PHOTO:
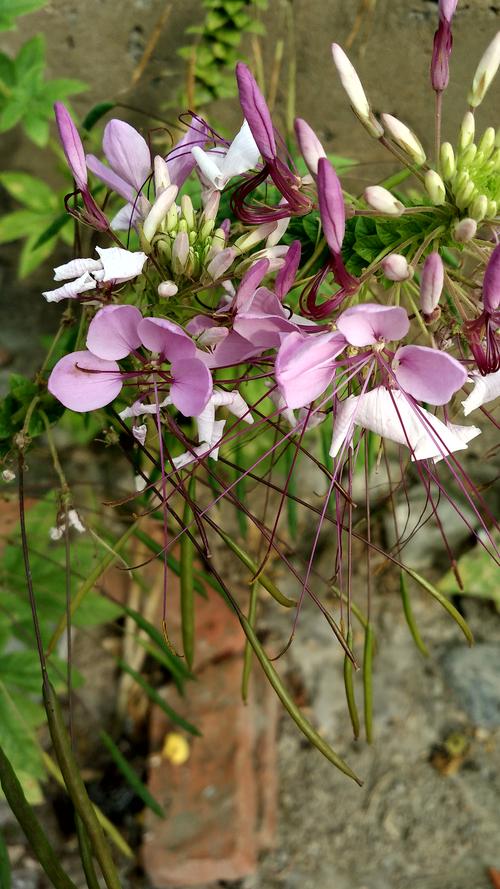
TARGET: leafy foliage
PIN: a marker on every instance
(11, 9)
(25, 96)
(40, 221)
(216, 48)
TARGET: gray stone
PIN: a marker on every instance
(474, 677)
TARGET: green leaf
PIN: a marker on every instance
(157, 699)
(31, 56)
(30, 258)
(18, 224)
(34, 193)
(37, 129)
(479, 574)
(19, 744)
(11, 9)
(7, 69)
(11, 114)
(54, 90)
(176, 666)
(96, 113)
(22, 388)
(132, 777)
(52, 230)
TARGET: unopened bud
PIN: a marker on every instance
(254, 237)
(221, 262)
(158, 212)
(206, 229)
(447, 158)
(435, 187)
(218, 243)
(381, 199)
(467, 131)
(8, 475)
(431, 284)
(491, 282)
(478, 209)
(167, 288)
(396, 268)
(487, 142)
(311, 148)
(465, 195)
(405, 138)
(492, 209)
(465, 230)
(211, 206)
(180, 253)
(467, 155)
(280, 227)
(355, 92)
(485, 72)
(187, 210)
(161, 174)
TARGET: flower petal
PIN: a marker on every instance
(72, 145)
(370, 323)
(485, 389)
(192, 386)
(428, 374)
(127, 152)
(119, 264)
(111, 179)
(113, 333)
(71, 289)
(83, 382)
(305, 366)
(256, 112)
(166, 338)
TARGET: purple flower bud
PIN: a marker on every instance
(431, 283)
(396, 267)
(491, 282)
(440, 68)
(464, 230)
(256, 112)
(447, 9)
(72, 145)
(286, 275)
(309, 144)
(331, 205)
(180, 253)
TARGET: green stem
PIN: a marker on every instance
(410, 619)
(31, 826)
(349, 689)
(368, 682)
(187, 581)
(247, 657)
(86, 854)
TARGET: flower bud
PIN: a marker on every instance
(467, 156)
(355, 92)
(447, 158)
(479, 207)
(491, 282)
(171, 219)
(396, 268)
(187, 210)
(492, 209)
(381, 199)
(431, 284)
(221, 262)
(435, 187)
(8, 475)
(487, 142)
(464, 196)
(180, 253)
(167, 288)
(250, 239)
(405, 138)
(465, 230)
(211, 206)
(311, 148)
(447, 9)
(485, 72)
(158, 212)
(161, 174)
(467, 131)
(218, 243)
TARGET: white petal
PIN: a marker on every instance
(74, 521)
(485, 389)
(139, 433)
(70, 290)
(76, 268)
(279, 231)
(209, 163)
(158, 211)
(242, 154)
(119, 264)
(138, 408)
(393, 416)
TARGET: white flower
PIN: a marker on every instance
(392, 415)
(485, 389)
(209, 429)
(114, 264)
(218, 166)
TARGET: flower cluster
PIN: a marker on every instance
(380, 330)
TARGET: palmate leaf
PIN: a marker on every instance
(17, 739)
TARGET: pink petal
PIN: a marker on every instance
(305, 366)
(370, 323)
(113, 333)
(180, 161)
(286, 275)
(192, 386)
(72, 145)
(166, 338)
(256, 112)
(127, 153)
(428, 374)
(85, 391)
(249, 283)
(331, 205)
(111, 179)
(491, 282)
